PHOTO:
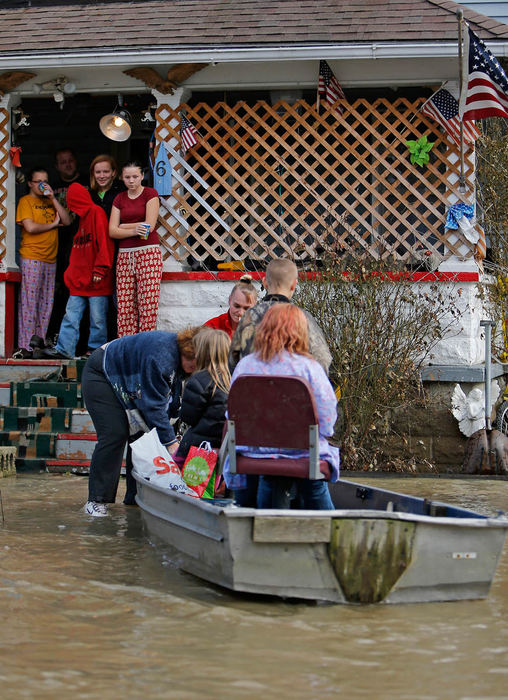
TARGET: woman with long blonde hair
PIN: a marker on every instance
(205, 395)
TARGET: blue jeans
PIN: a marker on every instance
(68, 335)
(279, 491)
(247, 498)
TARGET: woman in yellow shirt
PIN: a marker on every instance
(39, 214)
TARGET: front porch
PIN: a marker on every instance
(288, 179)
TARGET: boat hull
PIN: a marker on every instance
(350, 555)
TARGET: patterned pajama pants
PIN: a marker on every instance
(35, 299)
(138, 283)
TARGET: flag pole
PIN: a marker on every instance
(445, 82)
(462, 177)
(317, 95)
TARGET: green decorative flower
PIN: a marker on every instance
(419, 150)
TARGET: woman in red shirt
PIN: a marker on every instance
(139, 263)
(243, 297)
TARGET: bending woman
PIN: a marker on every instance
(139, 263)
(129, 386)
(281, 347)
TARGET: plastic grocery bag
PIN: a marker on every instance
(198, 469)
(152, 461)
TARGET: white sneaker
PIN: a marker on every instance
(96, 510)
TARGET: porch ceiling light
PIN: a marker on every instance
(116, 125)
(60, 84)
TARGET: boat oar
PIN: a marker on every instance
(497, 442)
(497, 454)
(489, 327)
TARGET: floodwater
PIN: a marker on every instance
(91, 609)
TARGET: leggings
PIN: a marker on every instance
(138, 284)
(35, 299)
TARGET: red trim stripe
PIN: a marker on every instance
(233, 275)
(77, 436)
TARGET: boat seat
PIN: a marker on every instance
(279, 412)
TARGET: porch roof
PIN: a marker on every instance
(65, 26)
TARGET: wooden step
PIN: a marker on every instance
(74, 466)
(29, 370)
(74, 446)
(71, 446)
(30, 445)
(24, 464)
(80, 467)
(34, 419)
(45, 445)
(5, 393)
(46, 420)
(81, 422)
(46, 394)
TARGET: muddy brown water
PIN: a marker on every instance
(92, 609)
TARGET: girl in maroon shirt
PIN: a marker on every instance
(139, 263)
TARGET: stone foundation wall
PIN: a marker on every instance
(430, 436)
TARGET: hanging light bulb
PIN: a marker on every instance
(117, 124)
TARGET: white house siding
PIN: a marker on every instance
(191, 303)
(491, 8)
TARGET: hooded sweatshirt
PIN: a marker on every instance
(92, 248)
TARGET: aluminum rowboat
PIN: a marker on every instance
(377, 546)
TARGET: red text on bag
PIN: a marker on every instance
(165, 467)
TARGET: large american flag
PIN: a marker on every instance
(187, 134)
(486, 92)
(444, 109)
(329, 87)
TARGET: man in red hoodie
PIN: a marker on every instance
(89, 276)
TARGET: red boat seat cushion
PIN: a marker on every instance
(298, 468)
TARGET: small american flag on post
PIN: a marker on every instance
(444, 109)
(329, 87)
(187, 134)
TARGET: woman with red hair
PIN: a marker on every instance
(281, 347)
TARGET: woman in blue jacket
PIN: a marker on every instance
(132, 385)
